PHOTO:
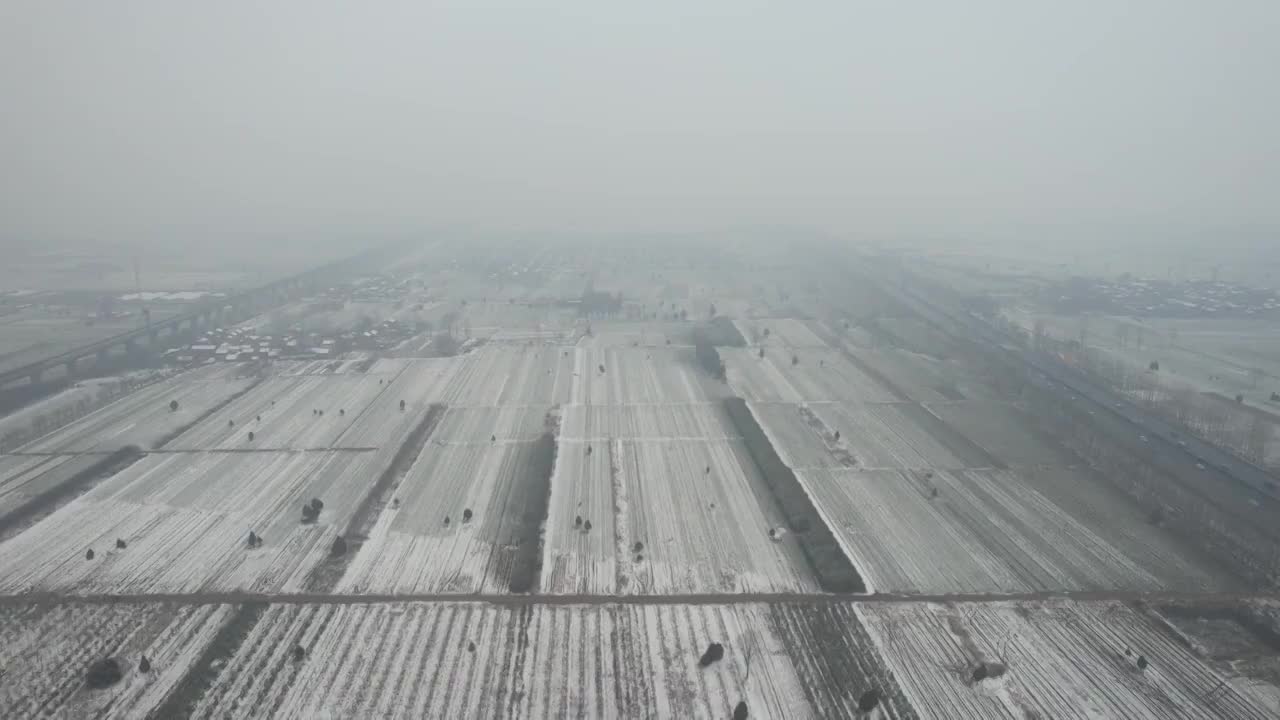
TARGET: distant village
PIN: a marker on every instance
(245, 344)
(1156, 298)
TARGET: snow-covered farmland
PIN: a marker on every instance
(631, 334)
(786, 331)
(636, 375)
(836, 661)
(989, 531)
(924, 378)
(585, 486)
(295, 412)
(416, 660)
(44, 650)
(478, 459)
(698, 509)
(501, 320)
(871, 435)
(480, 426)
(503, 375)
(24, 477)
(419, 383)
(1002, 431)
(1059, 660)
(143, 417)
(185, 518)
(817, 374)
(576, 560)
(695, 420)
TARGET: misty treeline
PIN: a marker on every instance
(1221, 421)
(595, 303)
(445, 342)
(1172, 494)
(60, 414)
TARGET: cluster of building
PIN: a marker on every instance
(240, 344)
(1153, 298)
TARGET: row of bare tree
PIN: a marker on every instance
(62, 414)
(1175, 498)
(1230, 426)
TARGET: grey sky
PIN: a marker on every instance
(163, 121)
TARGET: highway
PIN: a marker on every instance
(1196, 451)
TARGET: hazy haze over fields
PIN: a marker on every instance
(178, 122)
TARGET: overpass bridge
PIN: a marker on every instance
(213, 313)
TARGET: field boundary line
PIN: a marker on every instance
(321, 598)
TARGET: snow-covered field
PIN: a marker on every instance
(1001, 431)
(478, 459)
(654, 465)
(293, 412)
(818, 374)
(416, 660)
(653, 497)
(1061, 660)
(23, 477)
(698, 509)
(785, 331)
(576, 560)
(44, 651)
(871, 435)
(990, 531)
(504, 375)
(694, 420)
(419, 383)
(143, 417)
(635, 376)
(185, 518)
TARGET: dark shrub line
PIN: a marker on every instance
(527, 566)
(834, 571)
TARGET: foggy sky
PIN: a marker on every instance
(164, 121)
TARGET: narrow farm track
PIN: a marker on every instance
(90, 453)
(231, 598)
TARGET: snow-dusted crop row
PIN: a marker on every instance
(185, 519)
(471, 660)
(505, 375)
(851, 435)
(785, 331)
(796, 375)
(696, 420)
(635, 376)
(983, 531)
(1059, 660)
(292, 412)
(1002, 431)
(44, 651)
(418, 383)
(479, 460)
(144, 416)
(667, 516)
(24, 477)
